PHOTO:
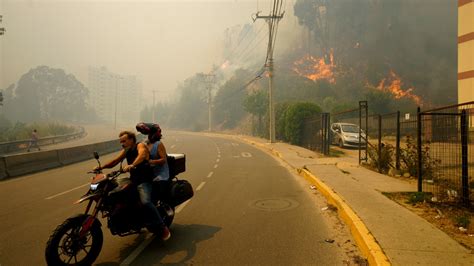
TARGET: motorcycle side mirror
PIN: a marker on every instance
(96, 155)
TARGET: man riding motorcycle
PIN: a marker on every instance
(141, 175)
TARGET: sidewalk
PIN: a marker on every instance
(406, 238)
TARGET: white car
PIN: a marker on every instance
(347, 135)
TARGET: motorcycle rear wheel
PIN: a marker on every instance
(65, 247)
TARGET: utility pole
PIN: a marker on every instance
(153, 109)
(209, 79)
(116, 92)
(270, 20)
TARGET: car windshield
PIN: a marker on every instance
(350, 128)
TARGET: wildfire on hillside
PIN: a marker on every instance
(393, 84)
(315, 68)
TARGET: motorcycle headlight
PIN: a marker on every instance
(94, 186)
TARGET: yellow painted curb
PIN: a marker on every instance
(364, 239)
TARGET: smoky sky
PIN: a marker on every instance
(161, 42)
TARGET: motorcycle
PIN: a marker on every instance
(78, 240)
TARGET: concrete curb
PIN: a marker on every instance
(364, 239)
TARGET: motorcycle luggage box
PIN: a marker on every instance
(176, 164)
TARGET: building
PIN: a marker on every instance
(465, 51)
(115, 98)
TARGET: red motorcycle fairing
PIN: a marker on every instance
(98, 178)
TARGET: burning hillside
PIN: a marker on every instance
(393, 85)
(315, 68)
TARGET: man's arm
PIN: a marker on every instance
(143, 154)
(114, 162)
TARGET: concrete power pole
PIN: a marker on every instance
(209, 79)
(153, 109)
(270, 20)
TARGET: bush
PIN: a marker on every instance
(409, 159)
(280, 118)
(383, 163)
(295, 116)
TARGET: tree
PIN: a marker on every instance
(257, 105)
(47, 94)
(228, 108)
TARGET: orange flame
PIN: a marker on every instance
(225, 64)
(315, 68)
(395, 88)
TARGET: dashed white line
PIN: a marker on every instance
(67, 191)
(218, 155)
(210, 174)
(218, 160)
(181, 207)
(215, 166)
(138, 250)
(172, 146)
(200, 186)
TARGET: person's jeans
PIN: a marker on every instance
(154, 218)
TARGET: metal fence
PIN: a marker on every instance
(316, 134)
(445, 153)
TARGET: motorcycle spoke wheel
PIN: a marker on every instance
(66, 247)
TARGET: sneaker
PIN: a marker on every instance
(165, 235)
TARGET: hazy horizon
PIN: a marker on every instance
(161, 42)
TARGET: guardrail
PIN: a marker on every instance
(27, 163)
(19, 145)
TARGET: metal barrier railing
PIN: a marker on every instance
(20, 145)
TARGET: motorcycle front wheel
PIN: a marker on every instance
(66, 247)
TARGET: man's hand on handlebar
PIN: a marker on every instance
(128, 168)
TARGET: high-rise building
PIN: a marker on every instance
(465, 51)
(115, 96)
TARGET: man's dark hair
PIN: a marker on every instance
(129, 135)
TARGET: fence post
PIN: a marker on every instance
(418, 147)
(397, 145)
(363, 104)
(464, 155)
(328, 134)
(379, 147)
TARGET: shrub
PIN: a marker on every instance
(383, 163)
(409, 159)
(294, 119)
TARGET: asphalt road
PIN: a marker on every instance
(247, 209)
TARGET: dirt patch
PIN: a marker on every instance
(456, 221)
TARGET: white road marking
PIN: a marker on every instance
(218, 160)
(246, 154)
(235, 144)
(181, 207)
(215, 165)
(67, 191)
(218, 155)
(200, 186)
(210, 174)
(138, 250)
(172, 146)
